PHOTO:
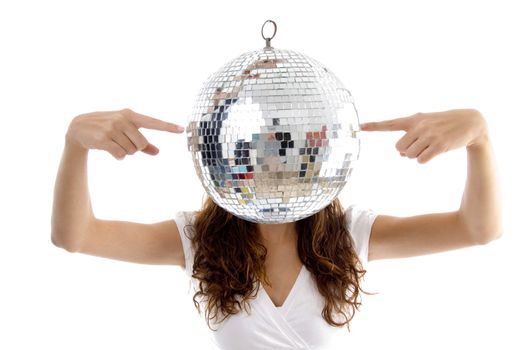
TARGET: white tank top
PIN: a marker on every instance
(298, 323)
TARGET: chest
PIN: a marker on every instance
(296, 324)
(283, 268)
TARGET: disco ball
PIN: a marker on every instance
(273, 135)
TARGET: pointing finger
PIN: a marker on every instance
(144, 121)
(387, 125)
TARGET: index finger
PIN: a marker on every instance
(144, 121)
(387, 125)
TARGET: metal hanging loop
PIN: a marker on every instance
(267, 40)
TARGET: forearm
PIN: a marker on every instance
(480, 208)
(72, 212)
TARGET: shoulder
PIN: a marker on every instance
(183, 219)
(360, 219)
(186, 216)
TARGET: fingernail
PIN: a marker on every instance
(179, 128)
(364, 125)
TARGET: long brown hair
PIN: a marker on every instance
(229, 261)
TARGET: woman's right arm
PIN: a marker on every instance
(73, 224)
(72, 213)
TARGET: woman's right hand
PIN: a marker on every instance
(116, 132)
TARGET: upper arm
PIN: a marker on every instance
(400, 237)
(157, 243)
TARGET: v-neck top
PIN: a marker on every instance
(298, 322)
(285, 303)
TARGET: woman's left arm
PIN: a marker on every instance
(480, 209)
(479, 219)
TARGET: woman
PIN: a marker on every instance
(280, 285)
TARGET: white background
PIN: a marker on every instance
(59, 59)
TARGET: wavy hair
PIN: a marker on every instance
(229, 261)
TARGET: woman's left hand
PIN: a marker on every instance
(429, 134)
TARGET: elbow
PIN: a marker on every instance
(485, 237)
(64, 244)
(482, 233)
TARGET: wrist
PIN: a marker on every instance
(73, 145)
(481, 127)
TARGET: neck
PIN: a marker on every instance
(278, 233)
